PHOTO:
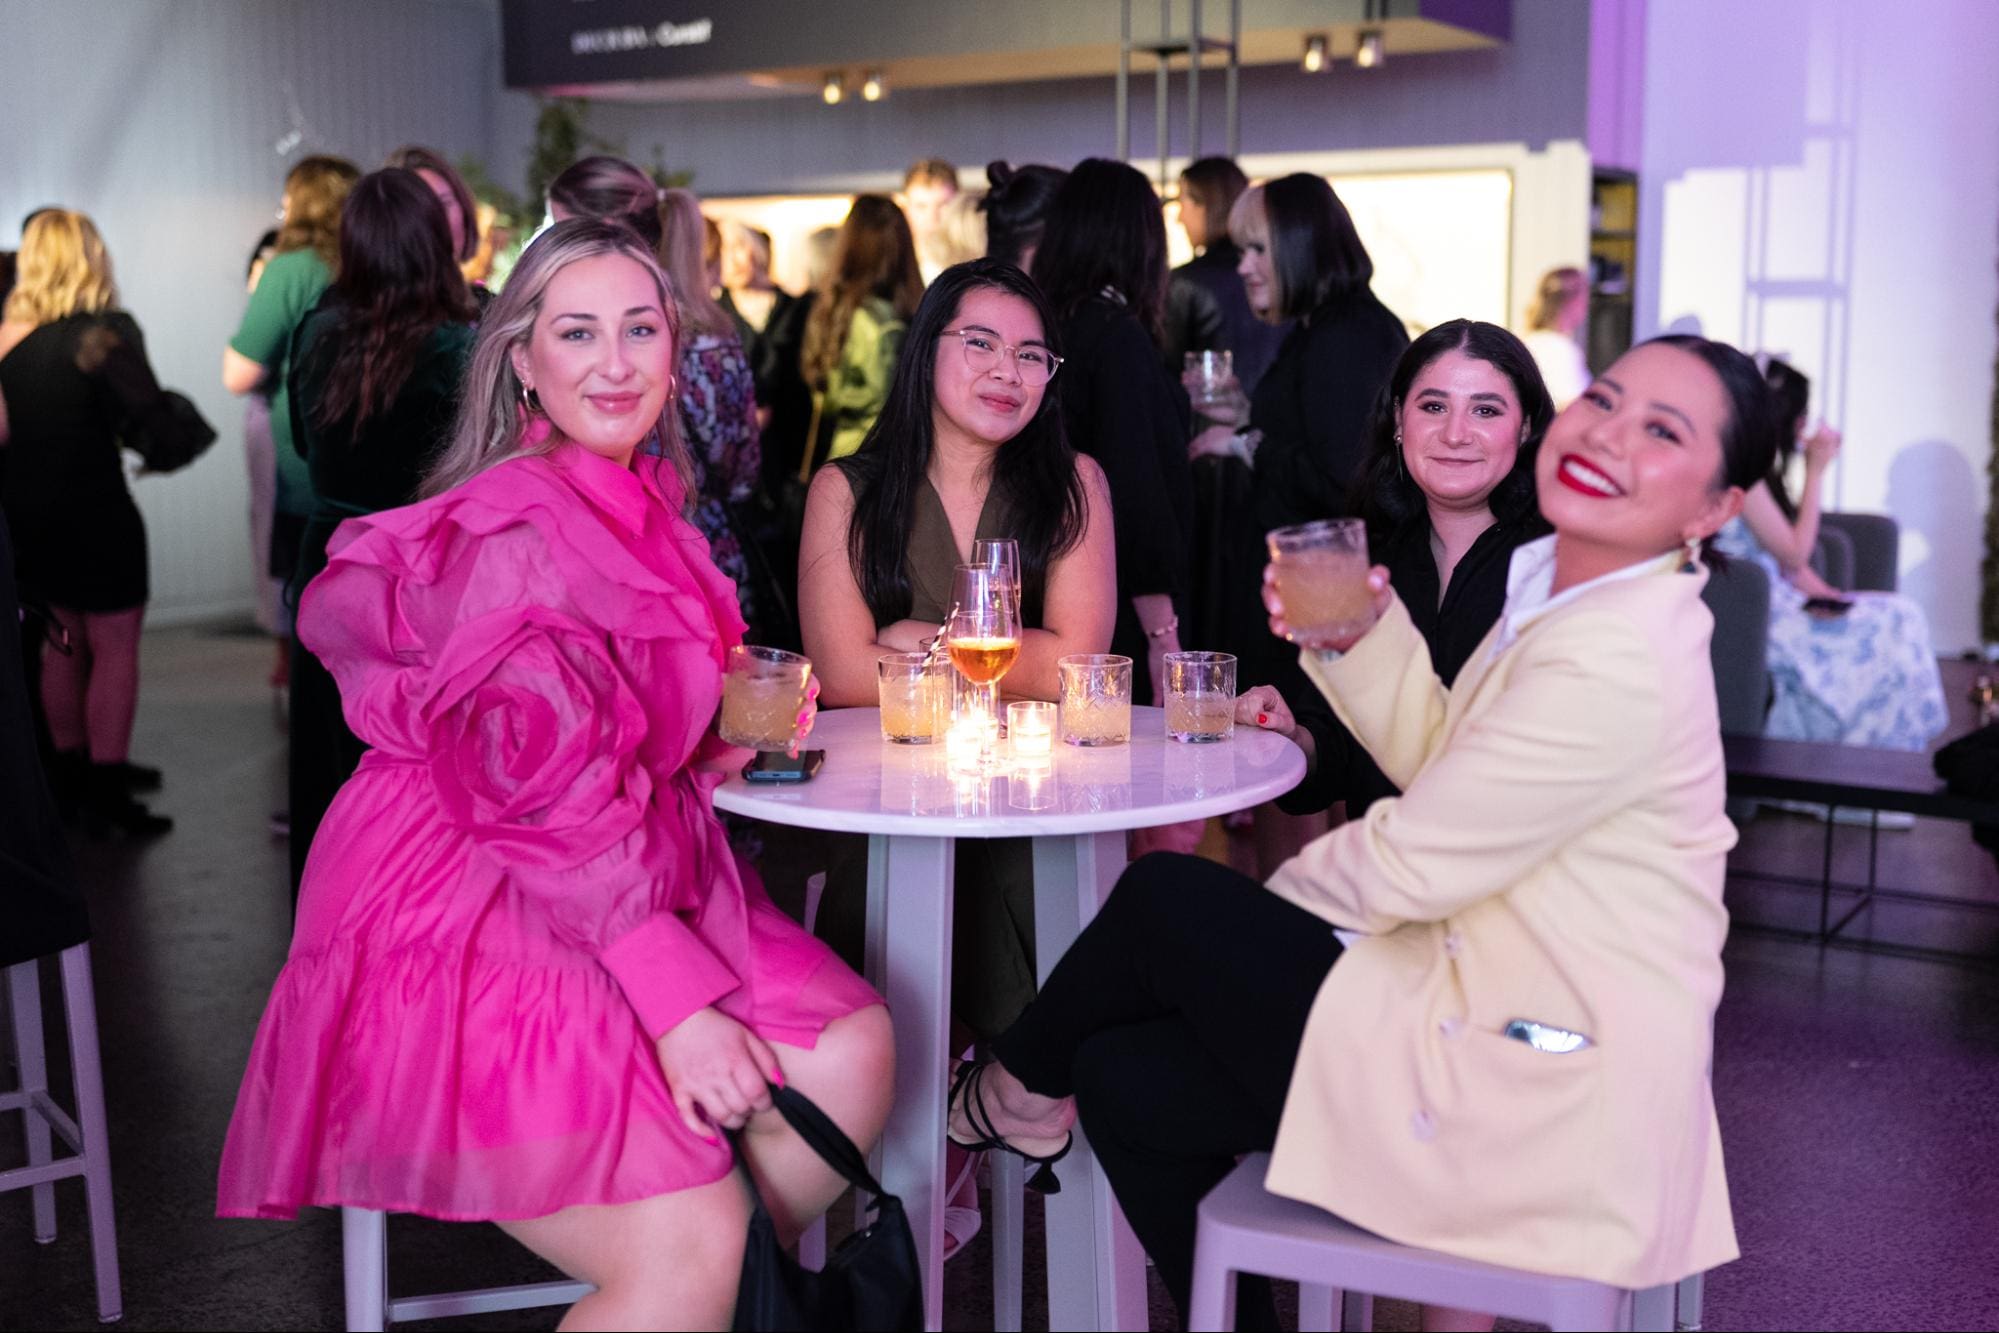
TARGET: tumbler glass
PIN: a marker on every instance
(1322, 578)
(1096, 698)
(1200, 697)
(762, 696)
(915, 697)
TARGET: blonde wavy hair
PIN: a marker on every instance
(490, 420)
(1558, 287)
(63, 270)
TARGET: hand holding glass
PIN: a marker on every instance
(1320, 575)
(765, 697)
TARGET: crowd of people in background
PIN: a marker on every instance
(1013, 361)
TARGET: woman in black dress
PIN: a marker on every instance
(1448, 496)
(375, 373)
(79, 544)
(1302, 261)
(1102, 264)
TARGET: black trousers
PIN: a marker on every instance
(1175, 1021)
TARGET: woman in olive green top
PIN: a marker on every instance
(969, 444)
(855, 332)
(375, 372)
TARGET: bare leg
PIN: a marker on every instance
(669, 1262)
(1029, 1121)
(64, 676)
(850, 1075)
(112, 696)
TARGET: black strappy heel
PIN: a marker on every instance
(966, 1082)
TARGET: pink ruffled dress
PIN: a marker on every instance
(524, 884)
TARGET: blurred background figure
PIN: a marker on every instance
(79, 543)
(454, 196)
(961, 229)
(749, 296)
(927, 186)
(373, 390)
(1206, 309)
(716, 395)
(1102, 264)
(1555, 321)
(609, 187)
(255, 359)
(260, 460)
(855, 331)
(1016, 209)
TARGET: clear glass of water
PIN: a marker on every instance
(1200, 697)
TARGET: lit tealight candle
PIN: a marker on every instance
(1031, 728)
(964, 742)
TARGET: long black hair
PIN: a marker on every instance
(1034, 473)
(1016, 207)
(1792, 398)
(1390, 500)
(1105, 229)
(1316, 253)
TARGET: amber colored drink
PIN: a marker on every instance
(1325, 592)
(983, 660)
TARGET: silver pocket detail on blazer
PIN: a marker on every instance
(1542, 1037)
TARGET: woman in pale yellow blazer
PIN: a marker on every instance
(1478, 1019)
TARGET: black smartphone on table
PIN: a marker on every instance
(776, 766)
(1828, 606)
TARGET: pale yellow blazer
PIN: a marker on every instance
(1557, 855)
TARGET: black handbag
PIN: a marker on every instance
(870, 1282)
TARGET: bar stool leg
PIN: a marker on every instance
(364, 1259)
(80, 1008)
(24, 987)
(1009, 1208)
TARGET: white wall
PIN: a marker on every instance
(1820, 179)
(170, 122)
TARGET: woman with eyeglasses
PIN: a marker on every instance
(970, 444)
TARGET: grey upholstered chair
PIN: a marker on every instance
(1876, 544)
(1739, 597)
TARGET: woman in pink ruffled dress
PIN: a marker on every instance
(530, 984)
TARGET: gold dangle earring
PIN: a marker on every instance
(530, 401)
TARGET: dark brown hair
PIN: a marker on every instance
(875, 257)
(1214, 183)
(611, 188)
(1316, 256)
(397, 283)
(417, 158)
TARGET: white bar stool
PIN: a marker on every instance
(85, 1136)
(1246, 1229)
(364, 1253)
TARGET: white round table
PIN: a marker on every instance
(1077, 811)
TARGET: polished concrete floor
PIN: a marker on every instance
(1858, 1091)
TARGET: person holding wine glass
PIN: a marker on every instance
(970, 447)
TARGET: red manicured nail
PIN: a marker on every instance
(1262, 719)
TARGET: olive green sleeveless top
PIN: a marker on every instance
(933, 556)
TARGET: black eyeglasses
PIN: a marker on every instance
(1036, 364)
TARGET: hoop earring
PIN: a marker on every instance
(530, 401)
(1693, 549)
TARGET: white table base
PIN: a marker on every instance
(1096, 1270)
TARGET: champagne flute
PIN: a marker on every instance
(1003, 555)
(983, 634)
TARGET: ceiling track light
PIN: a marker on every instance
(874, 87)
(1371, 52)
(834, 90)
(1316, 54)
